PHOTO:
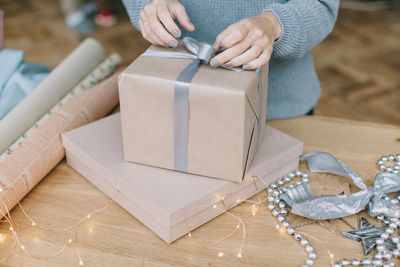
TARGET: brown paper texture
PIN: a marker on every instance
(223, 106)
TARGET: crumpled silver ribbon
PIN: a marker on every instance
(201, 53)
(304, 203)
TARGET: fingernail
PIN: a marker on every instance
(214, 63)
(173, 44)
(191, 24)
(176, 33)
(228, 64)
(246, 66)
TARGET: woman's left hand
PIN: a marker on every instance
(249, 42)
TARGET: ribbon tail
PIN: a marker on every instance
(325, 162)
(333, 207)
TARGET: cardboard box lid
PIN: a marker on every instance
(168, 195)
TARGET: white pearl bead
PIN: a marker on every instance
(384, 159)
(387, 255)
(356, 262)
(389, 169)
(305, 265)
(303, 242)
(305, 180)
(396, 252)
(366, 261)
(271, 206)
(305, 175)
(281, 218)
(298, 173)
(275, 212)
(396, 167)
(389, 231)
(391, 157)
(394, 201)
(282, 204)
(345, 262)
(396, 239)
(271, 199)
(384, 236)
(378, 255)
(376, 262)
(297, 236)
(276, 200)
(382, 167)
(291, 175)
(380, 247)
(393, 225)
(275, 193)
(286, 224)
(287, 179)
(290, 230)
(312, 255)
(337, 265)
(380, 241)
(380, 162)
(270, 190)
(310, 262)
(309, 248)
(396, 171)
(299, 182)
(281, 182)
(398, 157)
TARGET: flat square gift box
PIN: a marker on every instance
(225, 111)
(171, 203)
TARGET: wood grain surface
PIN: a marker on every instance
(115, 238)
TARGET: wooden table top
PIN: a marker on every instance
(115, 238)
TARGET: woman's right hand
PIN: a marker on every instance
(157, 22)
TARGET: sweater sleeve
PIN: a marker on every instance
(304, 23)
(133, 8)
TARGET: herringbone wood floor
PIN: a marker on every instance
(358, 64)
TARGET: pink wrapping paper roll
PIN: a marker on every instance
(43, 150)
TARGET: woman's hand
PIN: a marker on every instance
(248, 42)
(157, 22)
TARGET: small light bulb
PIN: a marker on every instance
(11, 229)
(70, 240)
(253, 206)
(33, 223)
(81, 263)
(1, 190)
(214, 206)
(223, 198)
(331, 255)
(238, 226)
(89, 216)
(237, 200)
(189, 234)
(239, 255)
(23, 247)
(220, 254)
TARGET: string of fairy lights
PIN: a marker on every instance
(253, 209)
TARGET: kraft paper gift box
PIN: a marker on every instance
(171, 203)
(225, 111)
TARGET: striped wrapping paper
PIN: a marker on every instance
(41, 149)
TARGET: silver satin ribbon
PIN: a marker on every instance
(304, 203)
(201, 53)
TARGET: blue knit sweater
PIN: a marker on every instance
(293, 86)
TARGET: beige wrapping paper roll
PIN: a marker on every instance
(62, 79)
(43, 150)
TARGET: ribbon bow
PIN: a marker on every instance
(304, 203)
(201, 53)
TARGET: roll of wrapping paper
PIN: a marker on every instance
(104, 70)
(43, 149)
(62, 79)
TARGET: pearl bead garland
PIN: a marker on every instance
(383, 256)
(280, 212)
(388, 168)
